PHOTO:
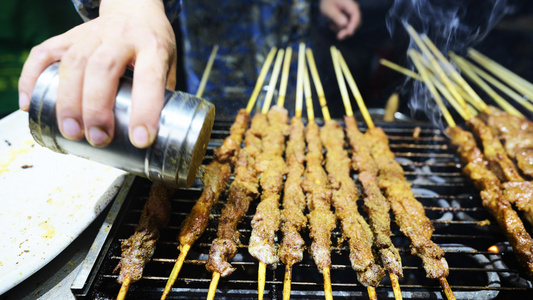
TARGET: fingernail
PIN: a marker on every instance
(140, 137)
(24, 101)
(71, 128)
(97, 136)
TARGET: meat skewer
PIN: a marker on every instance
(315, 184)
(409, 213)
(497, 155)
(344, 196)
(242, 192)
(271, 168)
(139, 248)
(216, 176)
(376, 205)
(476, 167)
(293, 219)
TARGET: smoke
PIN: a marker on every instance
(452, 25)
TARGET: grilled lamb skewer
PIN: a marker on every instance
(272, 169)
(138, 249)
(376, 205)
(409, 213)
(491, 194)
(344, 197)
(292, 216)
(502, 166)
(315, 185)
(215, 179)
(516, 134)
(243, 190)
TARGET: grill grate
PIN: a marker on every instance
(462, 227)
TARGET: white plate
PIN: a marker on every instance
(46, 200)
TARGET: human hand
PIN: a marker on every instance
(344, 15)
(94, 55)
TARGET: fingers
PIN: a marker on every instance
(334, 13)
(39, 59)
(100, 82)
(344, 15)
(69, 92)
(351, 10)
(149, 81)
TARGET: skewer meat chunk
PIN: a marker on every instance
(292, 216)
(516, 134)
(139, 248)
(376, 205)
(272, 169)
(494, 152)
(243, 190)
(522, 195)
(315, 184)
(491, 194)
(409, 213)
(215, 179)
(344, 198)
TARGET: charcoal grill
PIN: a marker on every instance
(462, 227)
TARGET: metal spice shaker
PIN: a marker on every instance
(175, 156)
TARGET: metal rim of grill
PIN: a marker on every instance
(463, 228)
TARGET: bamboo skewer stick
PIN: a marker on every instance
(342, 85)
(284, 77)
(308, 96)
(318, 85)
(287, 281)
(213, 286)
(299, 81)
(207, 70)
(502, 87)
(342, 68)
(465, 114)
(415, 57)
(509, 77)
(273, 81)
(261, 276)
(435, 64)
(124, 288)
(355, 91)
(409, 73)
(485, 87)
(260, 79)
(399, 69)
(453, 73)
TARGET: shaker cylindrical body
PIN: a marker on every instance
(174, 158)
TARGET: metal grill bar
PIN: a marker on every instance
(449, 200)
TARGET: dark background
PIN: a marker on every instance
(25, 23)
